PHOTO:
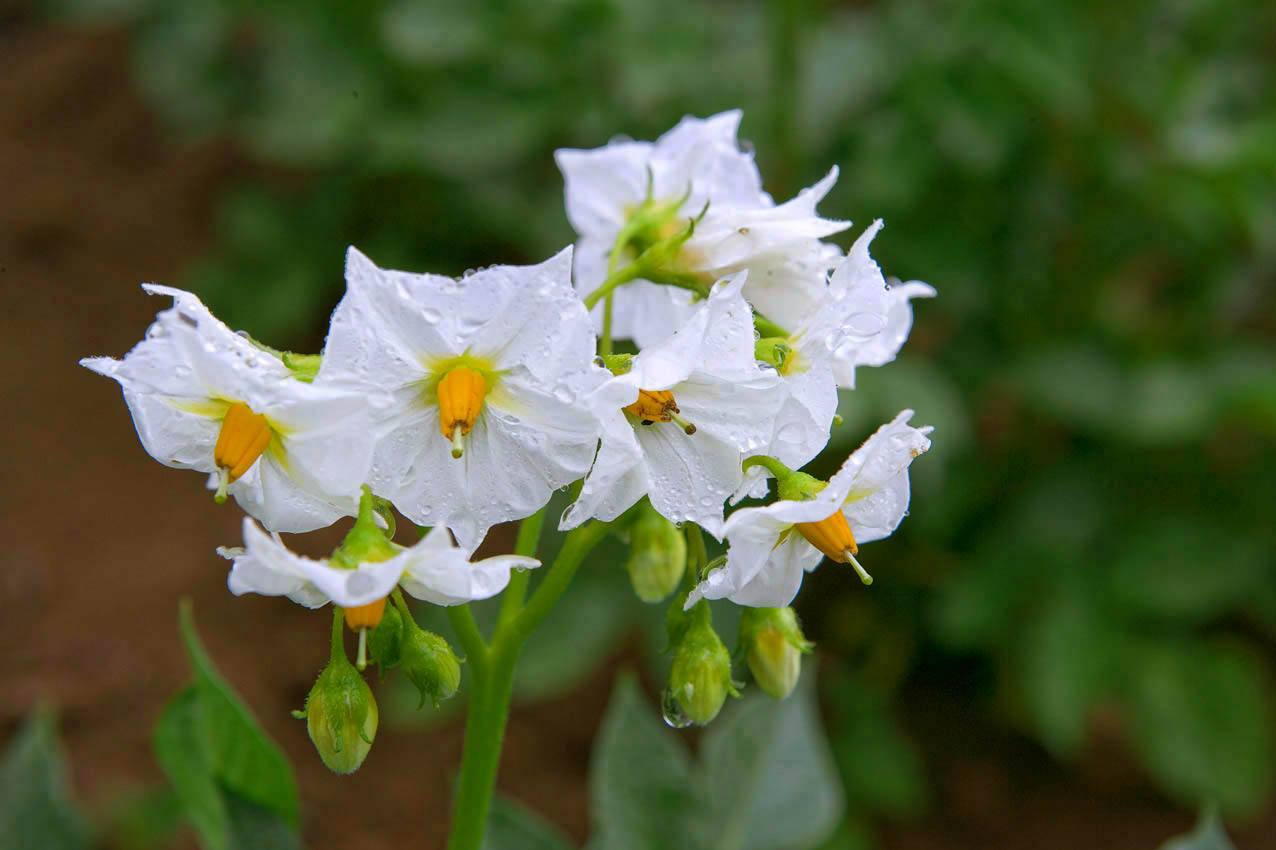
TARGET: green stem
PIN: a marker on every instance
(604, 341)
(772, 465)
(576, 546)
(338, 634)
(633, 271)
(467, 632)
(494, 686)
(768, 328)
(529, 538)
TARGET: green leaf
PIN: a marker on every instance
(1068, 658)
(182, 752)
(1201, 720)
(879, 766)
(35, 799)
(512, 826)
(1208, 834)
(768, 777)
(232, 781)
(641, 785)
(1187, 568)
(243, 758)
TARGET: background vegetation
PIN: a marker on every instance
(1092, 188)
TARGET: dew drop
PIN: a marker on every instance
(431, 315)
(671, 711)
(156, 331)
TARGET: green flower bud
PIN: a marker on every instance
(773, 646)
(341, 716)
(429, 663)
(384, 644)
(700, 679)
(657, 557)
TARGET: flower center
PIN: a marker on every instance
(461, 393)
(832, 536)
(243, 437)
(657, 406)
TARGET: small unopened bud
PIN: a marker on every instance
(657, 557)
(773, 646)
(341, 716)
(700, 679)
(429, 663)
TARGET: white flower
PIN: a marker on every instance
(861, 321)
(483, 376)
(858, 321)
(677, 425)
(772, 546)
(434, 570)
(205, 398)
(700, 162)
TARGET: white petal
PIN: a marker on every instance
(730, 237)
(776, 585)
(787, 285)
(534, 319)
(281, 503)
(618, 477)
(174, 436)
(690, 476)
(752, 534)
(444, 576)
(267, 567)
(389, 321)
(805, 417)
(702, 154)
(602, 184)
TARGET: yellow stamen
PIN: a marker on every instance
(244, 436)
(658, 406)
(832, 536)
(365, 616)
(461, 393)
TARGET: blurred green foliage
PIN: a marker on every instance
(1092, 188)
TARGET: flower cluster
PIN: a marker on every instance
(464, 403)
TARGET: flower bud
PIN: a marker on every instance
(341, 716)
(700, 679)
(773, 646)
(429, 663)
(658, 556)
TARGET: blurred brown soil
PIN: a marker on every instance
(100, 542)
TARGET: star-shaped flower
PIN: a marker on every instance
(696, 167)
(293, 454)
(677, 424)
(434, 570)
(772, 546)
(483, 376)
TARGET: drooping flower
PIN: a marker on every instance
(773, 545)
(293, 454)
(678, 422)
(483, 376)
(435, 570)
(650, 191)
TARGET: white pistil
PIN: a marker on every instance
(362, 660)
(458, 442)
(223, 481)
(683, 423)
(864, 576)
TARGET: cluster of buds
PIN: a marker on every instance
(460, 403)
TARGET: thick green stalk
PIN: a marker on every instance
(493, 686)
